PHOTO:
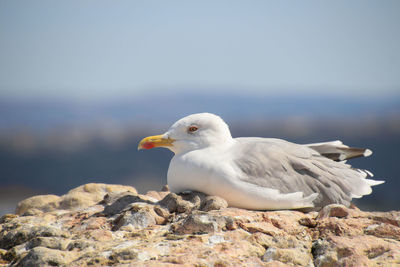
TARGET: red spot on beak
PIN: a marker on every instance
(148, 145)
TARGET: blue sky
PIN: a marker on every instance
(98, 49)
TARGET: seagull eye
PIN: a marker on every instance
(192, 129)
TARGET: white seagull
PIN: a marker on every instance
(259, 173)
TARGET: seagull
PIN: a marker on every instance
(259, 173)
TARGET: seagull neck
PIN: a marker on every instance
(196, 146)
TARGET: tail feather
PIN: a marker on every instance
(337, 151)
(374, 182)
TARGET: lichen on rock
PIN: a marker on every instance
(99, 224)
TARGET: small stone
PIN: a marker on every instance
(2, 253)
(333, 210)
(163, 212)
(99, 190)
(44, 203)
(163, 216)
(24, 233)
(123, 255)
(138, 219)
(170, 201)
(81, 244)
(269, 255)
(165, 188)
(48, 242)
(154, 195)
(7, 218)
(41, 256)
(175, 203)
(383, 230)
(14, 237)
(45, 230)
(184, 207)
(163, 194)
(319, 248)
(76, 200)
(291, 256)
(230, 223)
(94, 223)
(120, 204)
(101, 235)
(92, 258)
(15, 253)
(194, 197)
(261, 227)
(90, 194)
(213, 203)
(198, 224)
(32, 212)
(308, 222)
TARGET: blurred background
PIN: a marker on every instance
(81, 82)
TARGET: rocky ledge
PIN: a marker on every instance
(99, 224)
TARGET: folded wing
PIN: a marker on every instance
(290, 168)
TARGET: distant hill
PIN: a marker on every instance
(44, 114)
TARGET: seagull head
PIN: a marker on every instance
(192, 132)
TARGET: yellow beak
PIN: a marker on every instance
(155, 141)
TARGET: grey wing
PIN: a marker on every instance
(290, 168)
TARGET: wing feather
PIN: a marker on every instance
(290, 168)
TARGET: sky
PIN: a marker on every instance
(101, 49)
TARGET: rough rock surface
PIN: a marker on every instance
(98, 224)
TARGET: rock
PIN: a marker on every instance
(194, 197)
(43, 203)
(99, 190)
(77, 200)
(121, 204)
(153, 195)
(197, 224)
(101, 235)
(93, 223)
(80, 197)
(163, 213)
(41, 256)
(123, 255)
(102, 225)
(81, 245)
(213, 203)
(334, 210)
(7, 217)
(184, 202)
(307, 221)
(201, 223)
(269, 255)
(14, 237)
(175, 203)
(383, 230)
(92, 258)
(165, 188)
(90, 194)
(2, 253)
(135, 219)
(48, 242)
(24, 233)
(15, 253)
